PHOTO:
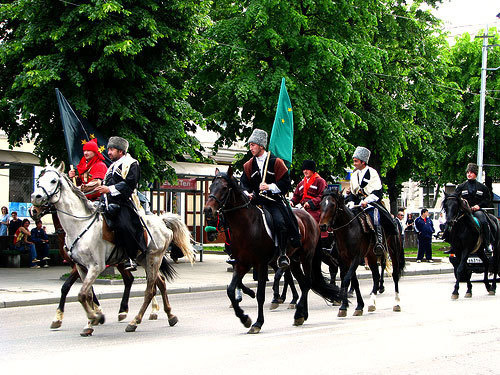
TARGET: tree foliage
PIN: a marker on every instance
(121, 63)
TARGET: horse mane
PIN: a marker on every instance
(461, 202)
(87, 203)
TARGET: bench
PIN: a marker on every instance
(11, 257)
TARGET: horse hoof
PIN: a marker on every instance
(396, 308)
(280, 300)
(173, 321)
(292, 306)
(298, 322)
(122, 317)
(371, 308)
(342, 313)
(248, 322)
(56, 324)
(87, 332)
(491, 292)
(274, 306)
(99, 319)
(358, 312)
(153, 316)
(254, 330)
(454, 296)
(336, 303)
(468, 295)
(131, 328)
(381, 290)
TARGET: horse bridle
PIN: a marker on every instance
(453, 221)
(338, 208)
(56, 190)
(223, 201)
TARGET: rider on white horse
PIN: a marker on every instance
(120, 183)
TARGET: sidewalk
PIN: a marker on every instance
(28, 287)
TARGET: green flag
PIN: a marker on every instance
(281, 142)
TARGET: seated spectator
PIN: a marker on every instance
(22, 242)
(14, 224)
(4, 221)
(41, 241)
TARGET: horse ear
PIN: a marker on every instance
(61, 167)
(230, 171)
(217, 171)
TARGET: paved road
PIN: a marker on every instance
(431, 335)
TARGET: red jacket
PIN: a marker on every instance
(313, 196)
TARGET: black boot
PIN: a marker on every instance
(283, 260)
(379, 248)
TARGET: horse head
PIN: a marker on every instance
(329, 206)
(48, 186)
(454, 208)
(221, 195)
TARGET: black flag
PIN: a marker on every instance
(77, 132)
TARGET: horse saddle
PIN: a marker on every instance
(267, 218)
(365, 221)
(109, 235)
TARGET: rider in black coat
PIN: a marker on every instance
(119, 183)
(478, 197)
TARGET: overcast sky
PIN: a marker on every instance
(470, 16)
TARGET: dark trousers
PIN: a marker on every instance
(129, 233)
(424, 247)
(42, 249)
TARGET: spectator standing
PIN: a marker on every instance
(409, 222)
(14, 224)
(400, 217)
(4, 221)
(41, 240)
(424, 228)
(22, 242)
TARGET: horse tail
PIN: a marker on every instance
(167, 269)
(397, 256)
(182, 237)
(329, 292)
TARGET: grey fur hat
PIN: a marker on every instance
(362, 153)
(258, 137)
(472, 167)
(119, 143)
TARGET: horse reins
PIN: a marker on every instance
(349, 222)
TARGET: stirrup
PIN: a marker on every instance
(378, 249)
(283, 261)
(130, 265)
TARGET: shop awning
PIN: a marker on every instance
(18, 157)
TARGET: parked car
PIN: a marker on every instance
(474, 263)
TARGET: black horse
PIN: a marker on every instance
(354, 245)
(253, 247)
(465, 238)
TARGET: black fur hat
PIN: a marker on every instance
(309, 164)
(472, 167)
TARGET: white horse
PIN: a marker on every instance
(83, 225)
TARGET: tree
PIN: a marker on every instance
(122, 64)
(466, 57)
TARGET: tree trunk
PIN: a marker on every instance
(393, 190)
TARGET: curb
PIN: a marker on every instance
(180, 290)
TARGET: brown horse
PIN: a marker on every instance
(253, 247)
(354, 245)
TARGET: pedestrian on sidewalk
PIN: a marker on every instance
(4, 221)
(41, 240)
(14, 224)
(22, 242)
(424, 228)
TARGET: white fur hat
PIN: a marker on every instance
(259, 137)
(119, 143)
(362, 153)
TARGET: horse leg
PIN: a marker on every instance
(128, 280)
(261, 296)
(246, 290)
(359, 308)
(468, 294)
(73, 276)
(373, 295)
(295, 295)
(345, 284)
(276, 288)
(381, 288)
(152, 268)
(395, 278)
(161, 283)
(301, 307)
(238, 273)
(85, 297)
(486, 264)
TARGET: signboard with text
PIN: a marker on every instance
(182, 184)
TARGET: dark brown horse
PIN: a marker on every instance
(465, 238)
(353, 246)
(253, 247)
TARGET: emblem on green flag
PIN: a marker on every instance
(281, 142)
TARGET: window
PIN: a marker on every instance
(21, 183)
(428, 195)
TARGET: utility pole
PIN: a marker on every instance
(480, 141)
